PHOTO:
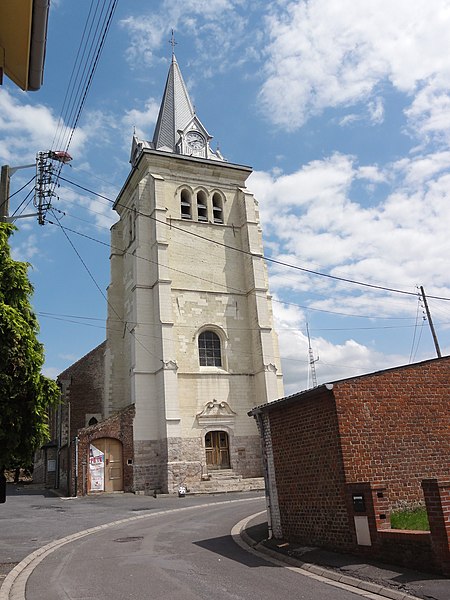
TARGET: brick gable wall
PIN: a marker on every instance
(83, 388)
(395, 427)
(309, 472)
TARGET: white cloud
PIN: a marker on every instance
(332, 361)
(142, 120)
(216, 27)
(376, 110)
(30, 128)
(51, 372)
(330, 53)
(26, 250)
(311, 221)
(100, 211)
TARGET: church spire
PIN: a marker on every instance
(176, 111)
(178, 129)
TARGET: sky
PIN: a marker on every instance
(341, 108)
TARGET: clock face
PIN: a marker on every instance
(195, 140)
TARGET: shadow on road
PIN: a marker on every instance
(28, 489)
(226, 547)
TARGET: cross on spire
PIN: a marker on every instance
(172, 42)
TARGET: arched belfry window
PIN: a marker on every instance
(209, 349)
(202, 206)
(217, 208)
(186, 206)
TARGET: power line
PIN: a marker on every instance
(23, 187)
(266, 258)
(227, 287)
(99, 288)
(81, 318)
(322, 310)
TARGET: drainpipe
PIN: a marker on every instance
(259, 420)
(76, 466)
(58, 426)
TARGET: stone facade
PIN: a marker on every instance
(190, 285)
(187, 258)
(190, 339)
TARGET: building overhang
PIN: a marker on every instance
(294, 398)
(23, 38)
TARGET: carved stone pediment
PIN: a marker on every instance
(216, 413)
(170, 365)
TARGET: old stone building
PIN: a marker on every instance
(190, 344)
(190, 337)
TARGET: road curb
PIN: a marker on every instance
(363, 588)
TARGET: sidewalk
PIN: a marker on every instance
(387, 580)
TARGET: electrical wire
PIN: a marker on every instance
(227, 287)
(86, 62)
(22, 203)
(99, 288)
(358, 316)
(23, 187)
(266, 258)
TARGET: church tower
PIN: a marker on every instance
(190, 337)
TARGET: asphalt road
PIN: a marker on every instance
(176, 554)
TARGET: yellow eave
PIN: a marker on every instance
(16, 18)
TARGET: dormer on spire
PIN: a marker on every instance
(178, 129)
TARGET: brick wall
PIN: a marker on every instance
(379, 434)
(309, 471)
(118, 426)
(82, 385)
(395, 425)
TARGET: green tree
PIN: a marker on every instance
(25, 394)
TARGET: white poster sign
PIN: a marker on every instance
(96, 469)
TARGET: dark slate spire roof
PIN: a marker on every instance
(176, 110)
(176, 118)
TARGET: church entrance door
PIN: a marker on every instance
(217, 450)
(107, 457)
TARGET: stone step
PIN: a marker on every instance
(238, 484)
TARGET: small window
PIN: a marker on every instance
(202, 206)
(209, 349)
(217, 208)
(186, 208)
(131, 224)
(92, 421)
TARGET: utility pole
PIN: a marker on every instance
(430, 322)
(4, 193)
(6, 174)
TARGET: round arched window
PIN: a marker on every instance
(209, 350)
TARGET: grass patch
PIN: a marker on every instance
(412, 519)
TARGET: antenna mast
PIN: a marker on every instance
(312, 360)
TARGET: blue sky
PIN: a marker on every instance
(343, 111)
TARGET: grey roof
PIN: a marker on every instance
(176, 116)
(175, 112)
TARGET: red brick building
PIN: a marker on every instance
(78, 423)
(384, 432)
